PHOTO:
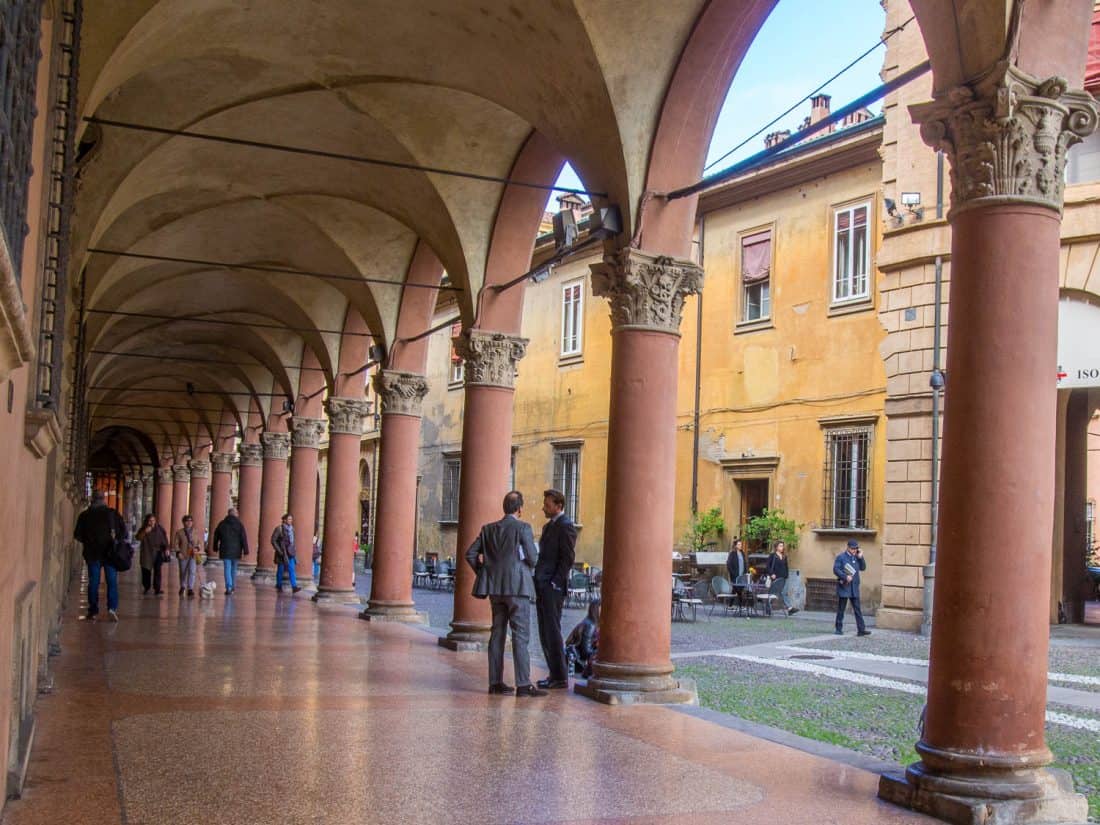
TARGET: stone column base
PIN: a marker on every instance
(336, 598)
(1033, 796)
(245, 567)
(263, 574)
(619, 684)
(407, 614)
(466, 638)
(211, 560)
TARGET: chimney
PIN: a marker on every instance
(775, 138)
(819, 107)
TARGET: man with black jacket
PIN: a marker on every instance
(230, 543)
(96, 529)
(557, 549)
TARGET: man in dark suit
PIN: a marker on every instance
(557, 549)
(847, 568)
(506, 550)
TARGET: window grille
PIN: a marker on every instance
(850, 281)
(567, 478)
(847, 478)
(20, 22)
(452, 471)
(572, 317)
(756, 263)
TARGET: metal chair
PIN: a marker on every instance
(683, 600)
(774, 594)
(742, 588)
(723, 594)
(421, 577)
(576, 590)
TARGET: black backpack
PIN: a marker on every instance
(120, 555)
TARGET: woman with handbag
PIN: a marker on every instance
(154, 553)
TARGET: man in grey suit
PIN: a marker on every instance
(506, 550)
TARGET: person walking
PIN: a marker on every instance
(316, 558)
(503, 556)
(187, 546)
(847, 567)
(96, 529)
(557, 549)
(152, 554)
(230, 543)
(282, 539)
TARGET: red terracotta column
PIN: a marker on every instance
(306, 440)
(491, 359)
(181, 479)
(401, 395)
(646, 294)
(250, 471)
(164, 498)
(345, 428)
(276, 447)
(221, 480)
(983, 751)
(200, 483)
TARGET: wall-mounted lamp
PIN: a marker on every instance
(911, 201)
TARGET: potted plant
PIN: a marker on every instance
(702, 526)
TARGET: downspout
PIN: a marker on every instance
(698, 383)
(937, 383)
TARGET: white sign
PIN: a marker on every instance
(1078, 344)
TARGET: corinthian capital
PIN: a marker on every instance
(181, 472)
(164, 475)
(222, 462)
(252, 455)
(491, 357)
(346, 415)
(645, 291)
(200, 468)
(400, 393)
(307, 432)
(1006, 136)
(276, 445)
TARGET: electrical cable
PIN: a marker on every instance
(197, 320)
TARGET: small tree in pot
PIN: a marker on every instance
(703, 525)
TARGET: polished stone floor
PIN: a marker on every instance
(263, 708)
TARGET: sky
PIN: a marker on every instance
(801, 44)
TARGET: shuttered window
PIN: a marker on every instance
(756, 273)
(572, 317)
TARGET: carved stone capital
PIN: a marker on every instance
(222, 462)
(276, 446)
(181, 473)
(490, 357)
(164, 475)
(346, 415)
(1006, 136)
(400, 393)
(307, 432)
(252, 455)
(200, 468)
(645, 291)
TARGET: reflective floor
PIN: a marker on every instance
(266, 709)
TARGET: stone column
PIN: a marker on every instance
(200, 483)
(306, 439)
(646, 294)
(401, 395)
(983, 751)
(345, 431)
(164, 499)
(181, 479)
(147, 501)
(276, 447)
(221, 480)
(248, 497)
(491, 359)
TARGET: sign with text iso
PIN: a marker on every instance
(1078, 344)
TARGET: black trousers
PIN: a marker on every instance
(548, 605)
(151, 577)
(841, 602)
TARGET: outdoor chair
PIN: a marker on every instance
(742, 590)
(773, 595)
(444, 578)
(682, 601)
(723, 594)
(421, 577)
(576, 592)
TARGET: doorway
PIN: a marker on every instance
(753, 497)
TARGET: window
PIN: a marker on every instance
(572, 318)
(452, 472)
(512, 469)
(457, 372)
(1083, 161)
(756, 270)
(847, 478)
(850, 281)
(567, 478)
(1090, 528)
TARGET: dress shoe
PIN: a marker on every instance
(295, 589)
(190, 593)
(864, 633)
(529, 690)
(181, 591)
(553, 684)
(501, 688)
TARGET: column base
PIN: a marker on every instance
(211, 560)
(245, 567)
(263, 574)
(1043, 796)
(336, 598)
(618, 684)
(466, 638)
(407, 614)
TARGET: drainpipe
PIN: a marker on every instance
(698, 383)
(937, 383)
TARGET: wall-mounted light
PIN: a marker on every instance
(911, 201)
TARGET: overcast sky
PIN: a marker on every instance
(801, 44)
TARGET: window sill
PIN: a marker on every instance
(571, 360)
(455, 385)
(845, 531)
(752, 326)
(850, 307)
(445, 523)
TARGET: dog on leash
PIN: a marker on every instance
(207, 590)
